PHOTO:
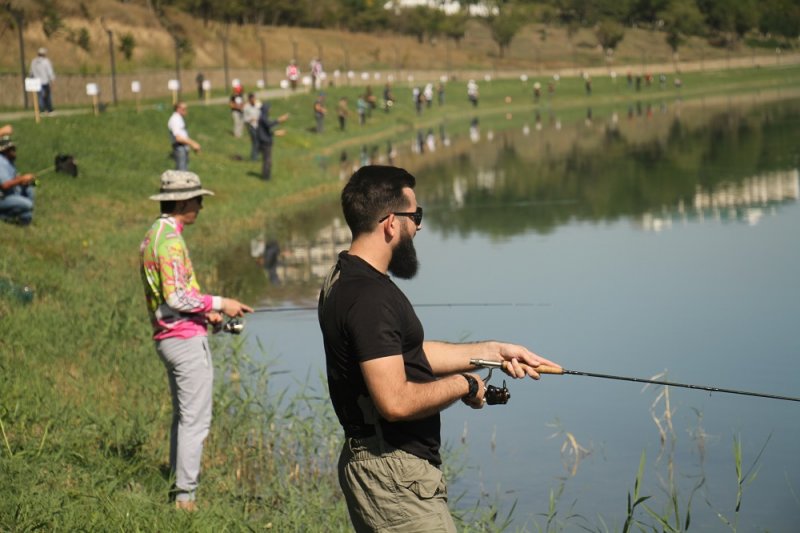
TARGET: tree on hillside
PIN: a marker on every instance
(646, 11)
(51, 18)
(504, 25)
(127, 43)
(202, 9)
(616, 10)
(681, 19)
(729, 17)
(413, 21)
(580, 12)
(609, 34)
(781, 17)
(363, 15)
(455, 26)
(434, 25)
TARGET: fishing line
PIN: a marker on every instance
(235, 326)
(544, 369)
(464, 304)
(521, 203)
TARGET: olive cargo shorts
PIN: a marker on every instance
(392, 491)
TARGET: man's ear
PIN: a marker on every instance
(389, 227)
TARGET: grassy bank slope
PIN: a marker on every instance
(83, 401)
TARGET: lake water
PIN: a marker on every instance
(658, 238)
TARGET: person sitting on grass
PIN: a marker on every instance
(16, 190)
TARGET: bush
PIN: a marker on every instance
(126, 45)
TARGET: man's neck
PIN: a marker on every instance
(374, 255)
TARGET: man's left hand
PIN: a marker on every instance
(519, 362)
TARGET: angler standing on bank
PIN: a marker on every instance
(180, 314)
(179, 137)
(387, 383)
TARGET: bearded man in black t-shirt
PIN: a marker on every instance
(387, 383)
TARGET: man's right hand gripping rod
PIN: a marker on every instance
(495, 395)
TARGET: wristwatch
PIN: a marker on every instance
(473, 387)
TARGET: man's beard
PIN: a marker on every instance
(404, 263)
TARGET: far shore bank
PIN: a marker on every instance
(70, 89)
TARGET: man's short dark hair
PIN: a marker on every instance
(372, 192)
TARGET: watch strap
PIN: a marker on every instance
(473, 387)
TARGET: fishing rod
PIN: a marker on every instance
(545, 369)
(235, 326)
(464, 304)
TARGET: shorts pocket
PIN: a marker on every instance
(421, 478)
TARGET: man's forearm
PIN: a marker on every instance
(448, 358)
(419, 400)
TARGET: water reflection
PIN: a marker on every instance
(297, 258)
(633, 169)
(684, 163)
(748, 202)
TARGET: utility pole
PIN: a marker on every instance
(224, 37)
(113, 62)
(178, 63)
(263, 61)
(19, 18)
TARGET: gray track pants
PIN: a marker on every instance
(191, 381)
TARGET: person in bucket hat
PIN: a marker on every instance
(16, 190)
(180, 314)
(180, 185)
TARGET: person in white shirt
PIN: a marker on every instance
(179, 136)
(252, 111)
(42, 68)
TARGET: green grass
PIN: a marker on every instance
(84, 406)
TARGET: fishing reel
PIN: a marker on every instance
(495, 395)
(234, 326)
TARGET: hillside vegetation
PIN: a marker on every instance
(543, 36)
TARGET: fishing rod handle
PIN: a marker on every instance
(541, 369)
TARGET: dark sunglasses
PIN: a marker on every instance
(416, 216)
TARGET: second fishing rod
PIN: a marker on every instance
(545, 370)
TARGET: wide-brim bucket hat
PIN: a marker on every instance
(6, 143)
(180, 185)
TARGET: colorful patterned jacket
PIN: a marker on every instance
(177, 307)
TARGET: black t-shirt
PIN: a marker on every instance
(365, 316)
